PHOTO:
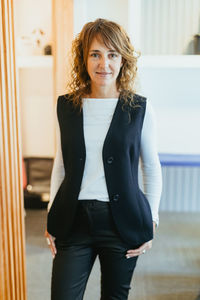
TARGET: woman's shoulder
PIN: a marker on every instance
(65, 97)
(132, 96)
(65, 100)
(139, 98)
(67, 104)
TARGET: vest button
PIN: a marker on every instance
(110, 160)
(116, 197)
(80, 158)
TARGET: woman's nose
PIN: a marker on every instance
(104, 62)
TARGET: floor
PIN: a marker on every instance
(170, 270)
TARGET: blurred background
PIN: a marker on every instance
(167, 33)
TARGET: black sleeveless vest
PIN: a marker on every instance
(121, 149)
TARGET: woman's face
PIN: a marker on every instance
(103, 64)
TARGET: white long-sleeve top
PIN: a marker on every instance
(97, 116)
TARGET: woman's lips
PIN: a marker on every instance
(103, 73)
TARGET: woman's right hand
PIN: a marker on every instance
(50, 241)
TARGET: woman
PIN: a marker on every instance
(96, 207)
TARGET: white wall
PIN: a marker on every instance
(37, 112)
(168, 26)
(172, 85)
(89, 10)
(35, 84)
(31, 14)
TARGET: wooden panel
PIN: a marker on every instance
(62, 32)
(12, 237)
(62, 35)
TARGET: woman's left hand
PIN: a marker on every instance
(142, 249)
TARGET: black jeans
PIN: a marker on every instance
(93, 233)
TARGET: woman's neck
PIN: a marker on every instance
(103, 93)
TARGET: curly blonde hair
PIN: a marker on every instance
(112, 34)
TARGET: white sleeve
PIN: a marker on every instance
(150, 163)
(58, 171)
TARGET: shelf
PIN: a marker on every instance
(34, 61)
(169, 61)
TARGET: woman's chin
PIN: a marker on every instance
(103, 82)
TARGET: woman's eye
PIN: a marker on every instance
(94, 55)
(113, 55)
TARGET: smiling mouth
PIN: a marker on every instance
(103, 73)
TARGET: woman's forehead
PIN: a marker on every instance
(98, 39)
